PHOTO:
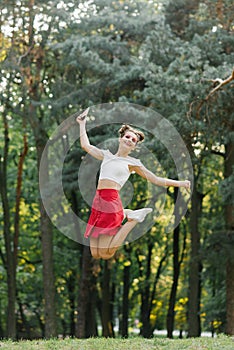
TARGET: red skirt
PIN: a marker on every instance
(106, 215)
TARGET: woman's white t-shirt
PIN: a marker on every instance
(116, 168)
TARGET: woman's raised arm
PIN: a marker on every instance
(84, 140)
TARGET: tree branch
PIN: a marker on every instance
(218, 153)
(25, 54)
(220, 84)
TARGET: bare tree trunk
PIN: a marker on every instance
(145, 298)
(47, 261)
(32, 72)
(229, 218)
(125, 304)
(48, 275)
(147, 329)
(230, 297)
(172, 299)
(83, 293)
(91, 323)
(176, 271)
(11, 240)
(18, 196)
(9, 259)
(71, 281)
(107, 326)
(25, 324)
(194, 322)
(2, 335)
(46, 228)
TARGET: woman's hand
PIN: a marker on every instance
(186, 184)
(81, 118)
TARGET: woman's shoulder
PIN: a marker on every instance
(107, 153)
(134, 161)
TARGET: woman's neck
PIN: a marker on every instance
(121, 153)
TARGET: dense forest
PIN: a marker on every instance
(174, 58)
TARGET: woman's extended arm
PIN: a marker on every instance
(84, 140)
(160, 181)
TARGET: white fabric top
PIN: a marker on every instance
(116, 168)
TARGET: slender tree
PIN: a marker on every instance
(177, 261)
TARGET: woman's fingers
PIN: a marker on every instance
(187, 185)
(82, 115)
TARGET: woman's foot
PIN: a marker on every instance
(138, 215)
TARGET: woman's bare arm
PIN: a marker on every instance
(159, 181)
(84, 140)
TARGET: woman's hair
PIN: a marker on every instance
(125, 127)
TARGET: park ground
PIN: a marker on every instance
(218, 343)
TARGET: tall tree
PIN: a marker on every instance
(9, 259)
(177, 261)
(84, 295)
(228, 171)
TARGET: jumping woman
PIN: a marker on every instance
(104, 227)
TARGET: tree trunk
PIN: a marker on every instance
(107, 326)
(18, 197)
(194, 323)
(46, 230)
(113, 291)
(25, 325)
(11, 288)
(32, 73)
(2, 335)
(91, 323)
(229, 218)
(176, 270)
(83, 293)
(172, 299)
(146, 328)
(9, 260)
(48, 274)
(125, 304)
(156, 279)
(230, 297)
(145, 298)
(47, 250)
(71, 280)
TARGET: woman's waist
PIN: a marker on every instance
(108, 184)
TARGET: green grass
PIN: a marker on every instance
(220, 343)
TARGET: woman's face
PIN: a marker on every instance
(129, 140)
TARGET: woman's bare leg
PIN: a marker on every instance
(105, 246)
(120, 237)
(99, 247)
(94, 247)
(108, 245)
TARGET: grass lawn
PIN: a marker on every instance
(220, 343)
